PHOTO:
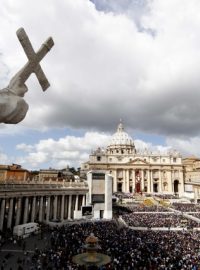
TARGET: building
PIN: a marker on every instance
(100, 194)
(13, 172)
(137, 171)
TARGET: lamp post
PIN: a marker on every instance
(91, 259)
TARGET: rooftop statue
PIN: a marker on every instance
(13, 107)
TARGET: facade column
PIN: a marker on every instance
(151, 176)
(48, 208)
(133, 180)
(172, 181)
(69, 206)
(83, 200)
(148, 182)
(18, 215)
(41, 209)
(3, 202)
(127, 181)
(115, 181)
(55, 205)
(33, 209)
(25, 211)
(10, 214)
(142, 180)
(76, 204)
(124, 181)
(62, 207)
(160, 182)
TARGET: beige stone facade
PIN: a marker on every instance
(191, 169)
(135, 171)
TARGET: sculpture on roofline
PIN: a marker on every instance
(13, 107)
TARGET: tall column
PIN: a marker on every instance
(148, 182)
(25, 211)
(18, 215)
(133, 179)
(127, 181)
(33, 209)
(62, 207)
(48, 208)
(124, 181)
(160, 182)
(10, 214)
(115, 181)
(142, 180)
(3, 201)
(41, 209)
(151, 176)
(76, 204)
(83, 200)
(69, 206)
(55, 205)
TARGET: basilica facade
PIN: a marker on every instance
(136, 171)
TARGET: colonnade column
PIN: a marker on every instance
(69, 206)
(33, 209)
(10, 213)
(25, 211)
(18, 215)
(2, 213)
(41, 209)
(55, 205)
(62, 207)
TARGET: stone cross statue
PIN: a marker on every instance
(13, 107)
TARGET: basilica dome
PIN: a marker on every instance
(121, 140)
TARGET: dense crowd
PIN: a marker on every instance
(186, 207)
(158, 220)
(128, 249)
(142, 208)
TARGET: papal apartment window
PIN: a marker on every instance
(174, 159)
(98, 158)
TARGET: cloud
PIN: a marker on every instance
(104, 66)
(188, 147)
(69, 150)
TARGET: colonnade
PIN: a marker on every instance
(24, 209)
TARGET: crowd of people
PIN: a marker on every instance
(186, 207)
(128, 249)
(150, 220)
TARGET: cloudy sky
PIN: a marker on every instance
(138, 60)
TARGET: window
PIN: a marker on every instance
(174, 160)
(110, 159)
(163, 160)
(98, 158)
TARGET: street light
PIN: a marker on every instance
(91, 258)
